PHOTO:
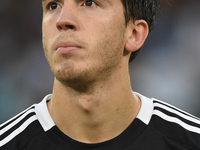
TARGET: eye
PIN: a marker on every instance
(90, 3)
(53, 6)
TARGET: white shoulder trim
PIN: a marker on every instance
(146, 109)
(18, 130)
(8, 128)
(43, 114)
(175, 115)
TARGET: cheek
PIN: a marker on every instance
(110, 28)
(45, 33)
(111, 36)
(44, 39)
(109, 47)
(48, 30)
(47, 37)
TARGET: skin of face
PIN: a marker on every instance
(87, 45)
(83, 40)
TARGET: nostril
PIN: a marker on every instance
(65, 27)
(59, 27)
(69, 26)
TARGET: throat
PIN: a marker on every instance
(101, 114)
(88, 105)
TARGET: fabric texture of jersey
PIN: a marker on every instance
(158, 126)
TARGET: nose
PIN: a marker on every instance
(67, 18)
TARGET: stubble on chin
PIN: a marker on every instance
(75, 78)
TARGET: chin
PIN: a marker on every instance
(76, 79)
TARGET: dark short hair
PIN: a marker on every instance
(140, 9)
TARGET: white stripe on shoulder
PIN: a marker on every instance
(18, 130)
(177, 121)
(174, 111)
(16, 121)
(184, 112)
(16, 116)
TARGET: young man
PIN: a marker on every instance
(88, 45)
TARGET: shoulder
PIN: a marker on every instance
(19, 128)
(19, 131)
(172, 127)
(175, 124)
(177, 116)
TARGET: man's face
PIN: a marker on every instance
(83, 39)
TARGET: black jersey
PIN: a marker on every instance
(158, 126)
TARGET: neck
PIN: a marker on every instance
(100, 114)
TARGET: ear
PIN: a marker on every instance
(137, 33)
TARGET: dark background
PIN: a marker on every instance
(167, 68)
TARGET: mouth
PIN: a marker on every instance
(67, 47)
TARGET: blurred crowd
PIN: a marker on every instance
(167, 68)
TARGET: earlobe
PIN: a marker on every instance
(137, 34)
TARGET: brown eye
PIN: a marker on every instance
(53, 5)
(89, 3)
